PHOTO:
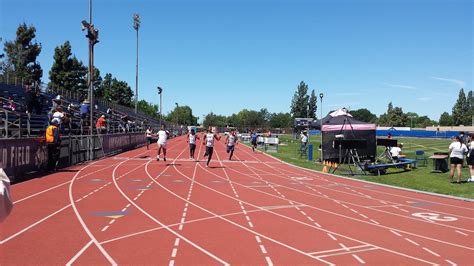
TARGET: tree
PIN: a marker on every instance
(67, 72)
(470, 103)
(281, 120)
(264, 117)
(182, 115)
(148, 108)
(461, 110)
(312, 105)
(116, 91)
(212, 119)
(299, 103)
(22, 53)
(394, 117)
(446, 120)
(364, 115)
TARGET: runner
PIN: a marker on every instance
(148, 134)
(231, 141)
(209, 142)
(162, 138)
(192, 137)
(253, 140)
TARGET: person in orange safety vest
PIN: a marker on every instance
(53, 143)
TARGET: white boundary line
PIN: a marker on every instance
(384, 185)
(73, 259)
(160, 223)
(84, 226)
(351, 218)
(283, 216)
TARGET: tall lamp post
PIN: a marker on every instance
(136, 26)
(160, 92)
(321, 95)
(93, 36)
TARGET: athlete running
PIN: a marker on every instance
(192, 137)
(209, 142)
(162, 139)
(148, 134)
(253, 140)
(231, 141)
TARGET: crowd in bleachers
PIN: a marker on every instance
(28, 110)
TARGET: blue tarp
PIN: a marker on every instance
(417, 133)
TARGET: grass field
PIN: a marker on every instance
(421, 178)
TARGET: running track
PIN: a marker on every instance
(131, 209)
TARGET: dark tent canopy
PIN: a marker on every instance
(340, 123)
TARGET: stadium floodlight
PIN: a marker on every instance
(321, 95)
(136, 26)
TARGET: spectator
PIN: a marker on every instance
(457, 149)
(30, 96)
(304, 140)
(396, 152)
(57, 102)
(38, 102)
(53, 142)
(10, 104)
(59, 114)
(389, 135)
(85, 109)
(101, 125)
(470, 156)
(462, 137)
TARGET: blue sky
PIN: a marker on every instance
(226, 55)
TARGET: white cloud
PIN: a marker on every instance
(425, 99)
(460, 83)
(400, 86)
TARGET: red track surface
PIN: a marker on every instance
(130, 209)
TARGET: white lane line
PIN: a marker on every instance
(375, 222)
(269, 261)
(462, 233)
(450, 262)
(258, 239)
(83, 224)
(160, 223)
(78, 200)
(411, 241)
(352, 210)
(78, 254)
(176, 242)
(135, 198)
(128, 205)
(358, 258)
(318, 225)
(394, 232)
(180, 227)
(34, 224)
(171, 263)
(332, 237)
(173, 254)
(304, 213)
(105, 228)
(432, 252)
(112, 221)
(262, 248)
(363, 216)
(311, 219)
(124, 209)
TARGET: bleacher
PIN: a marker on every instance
(19, 123)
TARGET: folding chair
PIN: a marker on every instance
(420, 156)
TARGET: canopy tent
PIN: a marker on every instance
(340, 123)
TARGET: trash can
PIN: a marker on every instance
(310, 152)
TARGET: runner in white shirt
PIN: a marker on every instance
(231, 141)
(209, 142)
(192, 137)
(457, 149)
(396, 152)
(149, 135)
(162, 139)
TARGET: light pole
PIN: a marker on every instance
(160, 92)
(321, 95)
(93, 36)
(136, 26)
